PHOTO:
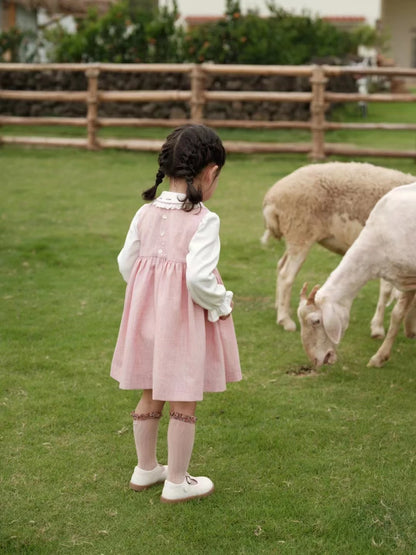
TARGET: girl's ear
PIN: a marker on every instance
(211, 172)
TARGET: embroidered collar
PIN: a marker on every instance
(170, 199)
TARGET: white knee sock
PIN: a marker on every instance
(145, 429)
(181, 435)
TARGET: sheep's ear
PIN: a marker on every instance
(332, 323)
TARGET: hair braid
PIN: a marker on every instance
(150, 194)
(193, 195)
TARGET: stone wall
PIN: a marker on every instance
(76, 81)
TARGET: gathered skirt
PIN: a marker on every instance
(166, 342)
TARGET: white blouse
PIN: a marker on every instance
(201, 260)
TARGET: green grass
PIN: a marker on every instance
(393, 112)
(322, 464)
(264, 135)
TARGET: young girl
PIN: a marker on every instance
(176, 337)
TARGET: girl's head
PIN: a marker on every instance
(189, 153)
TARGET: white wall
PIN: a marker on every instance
(399, 18)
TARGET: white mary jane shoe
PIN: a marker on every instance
(190, 488)
(143, 479)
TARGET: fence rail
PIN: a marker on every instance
(198, 97)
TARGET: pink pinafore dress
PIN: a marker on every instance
(166, 342)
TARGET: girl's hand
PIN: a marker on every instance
(227, 315)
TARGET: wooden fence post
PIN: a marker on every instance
(318, 81)
(197, 93)
(92, 104)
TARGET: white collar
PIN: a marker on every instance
(170, 199)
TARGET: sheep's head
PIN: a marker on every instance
(318, 340)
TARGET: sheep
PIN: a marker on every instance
(385, 248)
(328, 204)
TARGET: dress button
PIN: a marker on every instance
(160, 251)
(162, 233)
(164, 217)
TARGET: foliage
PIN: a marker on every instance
(125, 34)
(282, 38)
(366, 35)
(143, 5)
(10, 44)
(163, 38)
(130, 34)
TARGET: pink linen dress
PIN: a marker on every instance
(168, 342)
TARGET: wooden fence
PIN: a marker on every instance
(198, 96)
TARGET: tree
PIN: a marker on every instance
(143, 6)
(120, 36)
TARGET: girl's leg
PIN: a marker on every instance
(145, 428)
(179, 486)
(181, 435)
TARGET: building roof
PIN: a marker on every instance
(193, 20)
(346, 22)
(345, 18)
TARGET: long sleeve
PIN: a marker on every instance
(201, 261)
(130, 251)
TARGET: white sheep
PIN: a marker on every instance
(327, 204)
(385, 248)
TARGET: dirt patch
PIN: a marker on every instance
(302, 371)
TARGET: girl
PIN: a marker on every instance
(176, 337)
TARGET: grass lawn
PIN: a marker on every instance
(316, 464)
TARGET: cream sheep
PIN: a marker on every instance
(385, 248)
(327, 204)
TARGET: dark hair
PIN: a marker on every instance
(185, 153)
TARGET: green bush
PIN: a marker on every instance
(282, 38)
(10, 44)
(127, 34)
(122, 35)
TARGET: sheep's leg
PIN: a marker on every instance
(397, 315)
(287, 268)
(410, 320)
(377, 323)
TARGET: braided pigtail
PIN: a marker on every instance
(150, 194)
(193, 195)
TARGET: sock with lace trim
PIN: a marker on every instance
(145, 430)
(181, 435)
